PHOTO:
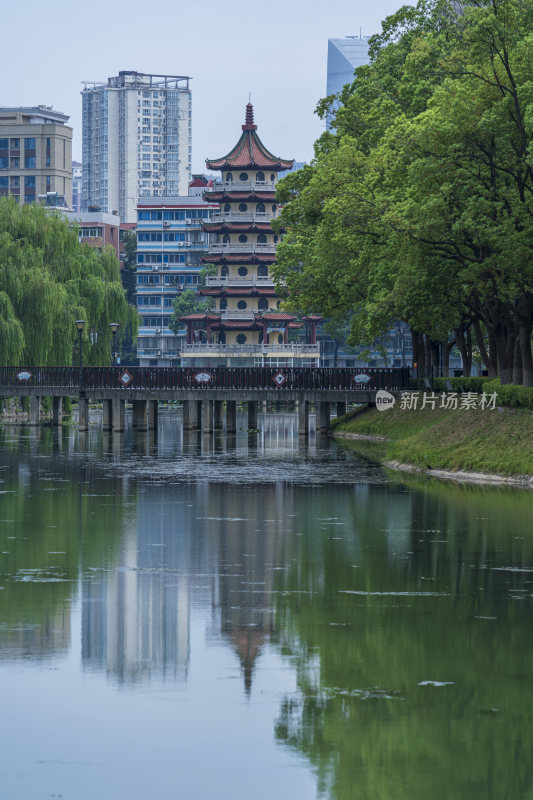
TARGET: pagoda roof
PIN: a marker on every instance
(250, 152)
(275, 317)
(239, 258)
(227, 197)
(238, 227)
(245, 291)
(200, 317)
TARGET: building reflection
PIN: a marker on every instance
(136, 618)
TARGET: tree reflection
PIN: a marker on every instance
(411, 643)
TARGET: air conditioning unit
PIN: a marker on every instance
(156, 267)
(158, 353)
(166, 223)
(158, 330)
(188, 221)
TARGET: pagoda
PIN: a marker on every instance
(245, 326)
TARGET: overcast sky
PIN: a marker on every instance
(277, 50)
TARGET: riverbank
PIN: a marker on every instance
(475, 444)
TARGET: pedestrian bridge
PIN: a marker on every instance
(204, 392)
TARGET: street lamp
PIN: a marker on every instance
(80, 323)
(114, 327)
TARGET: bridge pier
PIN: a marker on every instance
(252, 415)
(231, 416)
(35, 410)
(207, 416)
(118, 415)
(341, 409)
(323, 416)
(152, 412)
(107, 414)
(138, 415)
(83, 414)
(57, 411)
(303, 418)
(219, 415)
(190, 415)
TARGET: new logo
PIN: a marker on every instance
(384, 400)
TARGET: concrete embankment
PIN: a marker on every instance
(474, 445)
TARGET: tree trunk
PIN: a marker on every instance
(427, 357)
(415, 339)
(517, 363)
(336, 352)
(446, 350)
(465, 348)
(505, 340)
(434, 349)
(488, 356)
(524, 337)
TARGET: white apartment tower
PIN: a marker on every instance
(136, 141)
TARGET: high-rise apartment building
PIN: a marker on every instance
(35, 155)
(344, 56)
(76, 186)
(136, 141)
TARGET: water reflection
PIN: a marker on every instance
(380, 629)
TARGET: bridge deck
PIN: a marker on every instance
(219, 383)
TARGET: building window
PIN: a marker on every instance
(14, 144)
(229, 176)
(48, 182)
(262, 304)
(224, 272)
(243, 271)
(14, 181)
(225, 238)
(29, 143)
(272, 177)
(243, 207)
(274, 207)
(15, 162)
(241, 338)
(262, 271)
(260, 208)
(243, 239)
(280, 338)
(4, 163)
(241, 305)
(29, 162)
(223, 304)
(227, 207)
(275, 239)
(243, 176)
(4, 144)
(4, 182)
(260, 176)
(29, 180)
(261, 238)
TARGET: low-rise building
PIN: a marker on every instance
(170, 244)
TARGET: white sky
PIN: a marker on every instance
(277, 50)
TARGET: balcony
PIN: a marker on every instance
(244, 186)
(253, 280)
(238, 248)
(294, 349)
(242, 216)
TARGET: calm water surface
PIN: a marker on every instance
(257, 617)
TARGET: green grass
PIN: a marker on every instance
(495, 442)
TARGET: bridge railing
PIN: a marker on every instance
(206, 378)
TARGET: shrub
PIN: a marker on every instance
(509, 394)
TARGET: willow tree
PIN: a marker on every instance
(48, 279)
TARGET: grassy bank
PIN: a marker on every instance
(496, 442)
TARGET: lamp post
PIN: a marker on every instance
(80, 323)
(114, 328)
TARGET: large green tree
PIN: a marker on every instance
(418, 207)
(48, 279)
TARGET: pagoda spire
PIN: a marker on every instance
(249, 119)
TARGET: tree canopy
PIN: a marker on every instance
(418, 205)
(48, 279)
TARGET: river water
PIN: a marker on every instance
(257, 617)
